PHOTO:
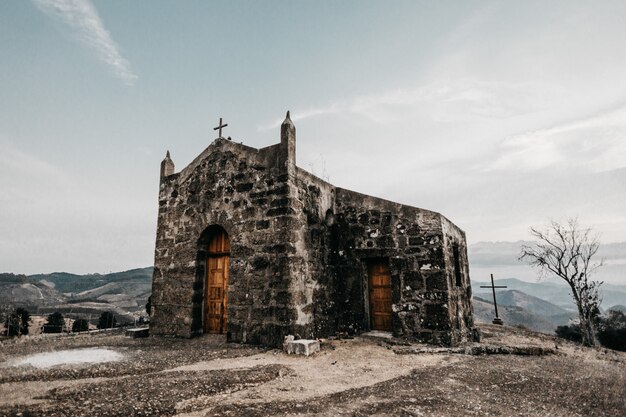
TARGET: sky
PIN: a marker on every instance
(499, 115)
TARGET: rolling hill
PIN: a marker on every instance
(502, 260)
(124, 293)
(518, 308)
(555, 292)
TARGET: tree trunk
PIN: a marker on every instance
(586, 323)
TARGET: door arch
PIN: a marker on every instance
(217, 272)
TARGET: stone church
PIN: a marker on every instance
(252, 246)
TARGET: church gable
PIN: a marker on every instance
(242, 191)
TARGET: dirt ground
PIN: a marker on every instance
(355, 377)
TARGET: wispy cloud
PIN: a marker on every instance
(30, 170)
(442, 100)
(597, 143)
(377, 108)
(82, 17)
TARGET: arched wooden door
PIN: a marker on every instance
(216, 288)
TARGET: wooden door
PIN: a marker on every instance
(380, 295)
(216, 289)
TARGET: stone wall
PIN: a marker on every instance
(461, 312)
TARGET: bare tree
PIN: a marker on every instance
(566, 250)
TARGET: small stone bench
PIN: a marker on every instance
(138, 332)
(304, 347)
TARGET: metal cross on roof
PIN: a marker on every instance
(219, 127)
(493, 287)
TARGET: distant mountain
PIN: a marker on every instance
(512, 316)
(71, 283)
(554, 291)
(125, 293)
(501, 259)
(535, 305)
(550, 291)
(618, 308)
(516, 307)
(22, 291)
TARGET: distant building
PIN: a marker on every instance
(250, 245)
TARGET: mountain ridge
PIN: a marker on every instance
(125, 293)
(502, 259)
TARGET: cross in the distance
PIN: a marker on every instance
(497, 320)
(219, 127)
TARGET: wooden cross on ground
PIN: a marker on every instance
(219, 127)
(493, 287)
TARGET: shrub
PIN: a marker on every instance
(570, 332)
(80, 325)
(16, 323)
(612, 330)
(107, 320)
(55, 323)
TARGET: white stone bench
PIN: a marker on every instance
(304, 347)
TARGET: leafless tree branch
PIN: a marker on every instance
(568, 251)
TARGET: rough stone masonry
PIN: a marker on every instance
(250, 245)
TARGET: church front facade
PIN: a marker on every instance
(251, 246)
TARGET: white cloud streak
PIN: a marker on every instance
(442, 100)
(597, 143)
(82, 17)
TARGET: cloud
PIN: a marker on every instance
(373, 107)
(443, 100)
(596, 143)
(36, 178)
(82, 17)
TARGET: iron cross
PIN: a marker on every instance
(493, 287)
(220, 128)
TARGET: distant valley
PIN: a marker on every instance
(85, 296)
(539, 306)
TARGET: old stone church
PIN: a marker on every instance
(252, 246)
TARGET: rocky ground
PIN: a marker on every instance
(208, 377)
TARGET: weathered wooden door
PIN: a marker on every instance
(216, 289)
(380, 295)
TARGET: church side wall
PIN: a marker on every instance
(412, 241)
(243, 191)
(460, 303)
